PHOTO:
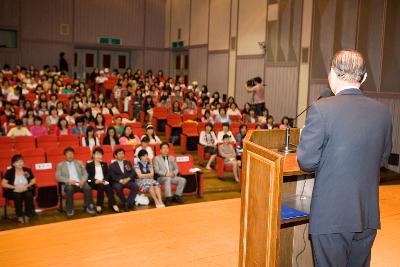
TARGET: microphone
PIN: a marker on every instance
(290, 148)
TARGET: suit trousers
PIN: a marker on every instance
(168, 181)
(343, 249)
(119, 189)
(70, 190)
(101, 189)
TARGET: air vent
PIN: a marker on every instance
(304, 55)
(233, 43)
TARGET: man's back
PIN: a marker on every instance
(346, 140)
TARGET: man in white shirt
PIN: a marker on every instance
(72, 174)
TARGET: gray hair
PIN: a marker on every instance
(349, 65)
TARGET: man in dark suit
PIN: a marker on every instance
(346, 154)
(123, 176)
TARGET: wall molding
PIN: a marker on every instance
(222, 51)
(282, 64)
(255, 56)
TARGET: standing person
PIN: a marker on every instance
(166, 168)
(63, 64)
(19, 185)
(258, 95)
(346, 155)
(73, 175)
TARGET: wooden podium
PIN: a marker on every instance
(270, 179)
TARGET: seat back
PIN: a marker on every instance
(45, 174)
(33, 156)
(6, 143)
(47, 141)
(23, 142)
(187, 117)
(68, 140)
(174, 119)
(82, 153)
(189, 128)
(129, 151)
(157, 149)
(185, 165)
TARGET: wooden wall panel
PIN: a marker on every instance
(40, 20)
(102, 18)
(9, 13)
(199, 22)
(217, 77)
(391, 51)
(346, 24)
(153, 60)
(137, 59)
(219, 24)
(154, 21)
(370, 40)
(251, 26)
(41, 53)
(180, 19)
(198, 64)
(394, 106)
(9, 57)
(247, 68)
(281, 90)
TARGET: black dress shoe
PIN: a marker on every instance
(167, 201)
(177, 199)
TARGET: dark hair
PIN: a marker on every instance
(258, 79)
(164, 144)
(37, 118)
(146, 139)
(16, 158)
(98, 150)
(285, 118)
(209, 125)
(242, 126)
(18, 122)
(142, 153)
(131, 136)
(106, 140)
(68, 149)
(226, 136)
(225, 124)
(59, 123)
(120, 149)
(96, 121)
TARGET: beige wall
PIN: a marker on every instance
(251, 26)
(199, 22)
(180, 18)
(219, 24)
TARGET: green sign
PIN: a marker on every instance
(104, 40)
(177, 44)
(116, 41)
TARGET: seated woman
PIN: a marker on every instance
(110, 108)
(209, 141)
(151, 135)
(251, 118)
(111, 137)
(145, 181)
(148, 108)
(53, 117)
(225, 131)
(227, 151)
(79, 129)
(145, 146)
(128, 138)
(284, 123)
(100, 124)
(270, 123)
(207, 118)
(29, 117)
(38, 129)
(241, 135)
(222, 117)
(62, 127)
(98, 179)
(19, 185)
(233, 110)
(90, 139)
(176, 109)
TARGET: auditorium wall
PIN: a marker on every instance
(47, 27)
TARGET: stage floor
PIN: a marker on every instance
(201, 234)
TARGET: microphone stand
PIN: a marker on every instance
(291, 148)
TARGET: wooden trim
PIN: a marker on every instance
(254, 56)
(283, 64)
(379, 84)
(382, 94)
(222, 51)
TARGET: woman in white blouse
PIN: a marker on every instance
(225, 130)
(209, 141)
(90, 139)
(233, 110)
(151, 135)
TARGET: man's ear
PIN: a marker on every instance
(364, 78)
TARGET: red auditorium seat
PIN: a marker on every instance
(108, 153)
(55, 155)
(47, 141)
(189, 130)
(129, 151)
(220, 166)
(33, 155)
(45, 174)
(68, 140)
(6, 143)
(184, 170)
(23, 142)
(82, 153)
(174, 121)
(235, 118)
(159, 114)
(189, 117)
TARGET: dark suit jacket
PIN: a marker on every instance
(346, 154)
(91, 170)
(116, 173)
